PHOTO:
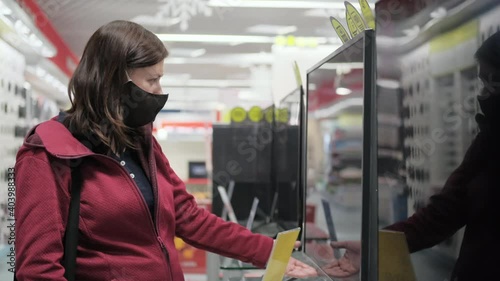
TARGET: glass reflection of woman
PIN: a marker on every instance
(469, 197)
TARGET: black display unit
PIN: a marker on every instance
(286, 159)
(359, 52)
(242, 153)
(262, 160)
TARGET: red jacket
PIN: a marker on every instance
(118, 238)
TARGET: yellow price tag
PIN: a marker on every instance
(356, 20)
(280, 255)
(350, 25)
(255, 114)
(340, 29)
(238, 114)
(367, 13)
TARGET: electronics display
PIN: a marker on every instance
(339, 142)
(197, 170)
(242, 158)
(286, 154)
(261, 161)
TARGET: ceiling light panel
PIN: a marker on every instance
(237, 39)
(186, 52)
(215, 38)
(272, 29)
(239, 60)
(280, 4)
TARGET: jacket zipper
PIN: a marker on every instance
(154, 183)
(154, 223)
(165, 252)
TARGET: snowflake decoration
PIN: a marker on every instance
(184, 10)
(181, 11)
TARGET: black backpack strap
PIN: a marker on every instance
(71, 236)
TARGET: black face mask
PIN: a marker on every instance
(140, 107)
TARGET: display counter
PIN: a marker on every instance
(230, 269)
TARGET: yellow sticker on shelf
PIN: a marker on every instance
(255, 114)
(238, 114)
(340, 30)
(367, 13)
(355, 17)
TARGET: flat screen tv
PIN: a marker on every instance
(197, 170)
(338, 154)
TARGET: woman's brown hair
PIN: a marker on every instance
(97, 87)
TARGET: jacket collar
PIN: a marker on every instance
(56, 139)
(60, 142)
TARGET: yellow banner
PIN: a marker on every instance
(339, 28)
(455, 37)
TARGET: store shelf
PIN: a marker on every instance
(196, 182)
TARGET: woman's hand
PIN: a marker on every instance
(299, 269)
(349, 264)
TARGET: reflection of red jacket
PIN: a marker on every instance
(118, 239)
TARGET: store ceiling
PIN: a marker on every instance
(208, 61)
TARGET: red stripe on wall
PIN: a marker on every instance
(64, 59)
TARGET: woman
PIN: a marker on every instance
(132, 202)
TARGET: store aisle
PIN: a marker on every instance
(195, 277)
